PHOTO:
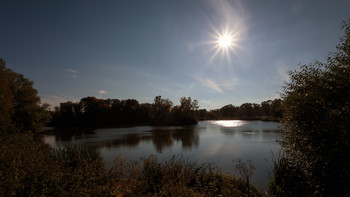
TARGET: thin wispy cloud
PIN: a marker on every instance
(229, 85)
(72, 73)
(282, 69)
(210, 84)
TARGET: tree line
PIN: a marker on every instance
(267, 110)
(91, 111)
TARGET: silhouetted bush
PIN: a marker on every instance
(316, 127)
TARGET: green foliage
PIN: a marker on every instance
(316, 135)
(20, 109)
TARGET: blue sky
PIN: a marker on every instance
(142, 49)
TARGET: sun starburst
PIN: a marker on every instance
(224, 42)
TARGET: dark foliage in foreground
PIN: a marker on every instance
(175, 177)
(30, 168)
(288, 180)
(316, 138)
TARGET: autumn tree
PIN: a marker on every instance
(20, 106)
(94, 111)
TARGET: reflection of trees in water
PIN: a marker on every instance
(163, 138)
(128, 140)
(70, 133)
(160, 137)
(188, 137)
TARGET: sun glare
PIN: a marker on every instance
(225, 41)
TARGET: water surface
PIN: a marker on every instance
(218, 142)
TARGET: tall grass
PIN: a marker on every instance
(288, 180)
(174, 177)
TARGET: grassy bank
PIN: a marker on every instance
(30, 168)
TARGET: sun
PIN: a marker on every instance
(225, 41)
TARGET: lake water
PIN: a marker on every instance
(218, 142)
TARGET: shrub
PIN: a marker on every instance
(316, 119)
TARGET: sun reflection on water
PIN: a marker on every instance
(230, 123)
